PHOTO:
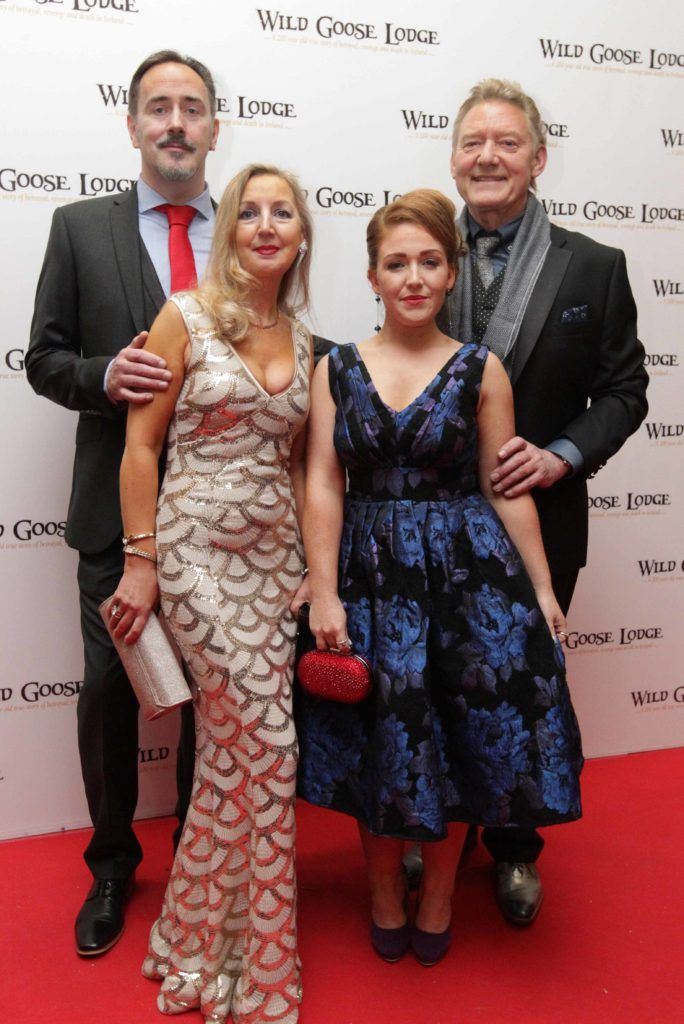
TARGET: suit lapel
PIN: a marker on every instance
(153, 288)
(541, 301)
(126, 240)
(138, 276)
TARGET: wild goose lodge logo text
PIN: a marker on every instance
(89, 6)
(603, 55)
(632, 503)
(21, 183)
(666, 288)
(612, 212)
(673, 138)
(245, 108)
(646, 698)
(624, 636)
(328, 27)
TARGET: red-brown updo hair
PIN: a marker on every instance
(426, 207)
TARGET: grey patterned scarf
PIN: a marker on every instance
(526, 259)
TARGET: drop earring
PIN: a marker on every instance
(378, 325)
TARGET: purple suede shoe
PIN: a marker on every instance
(390, 943)
(430, 947)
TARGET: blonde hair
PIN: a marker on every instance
(505, 91)
(224, 293)
(426, 207)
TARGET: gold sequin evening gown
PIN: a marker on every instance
(230, 560)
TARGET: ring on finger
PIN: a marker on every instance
(116, 612)
(344, 643)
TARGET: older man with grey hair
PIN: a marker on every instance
(557, 309)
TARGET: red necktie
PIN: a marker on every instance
(181, 258)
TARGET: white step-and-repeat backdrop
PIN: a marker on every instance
(358, 99)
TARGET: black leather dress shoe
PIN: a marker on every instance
(100, 921)
(519, 892)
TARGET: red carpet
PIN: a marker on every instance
(607, 946)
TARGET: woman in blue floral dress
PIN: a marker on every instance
(440, 583)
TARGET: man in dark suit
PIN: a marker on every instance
(107, 271)
(557, 308)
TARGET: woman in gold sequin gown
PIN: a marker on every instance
(229, 562)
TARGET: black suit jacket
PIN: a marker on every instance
(321, 347)
(584, 380)
(96, 291)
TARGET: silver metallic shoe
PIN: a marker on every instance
(519, 892)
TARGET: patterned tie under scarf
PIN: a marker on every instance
(486, 283)
(484, 247)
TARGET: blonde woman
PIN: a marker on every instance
(220, 546)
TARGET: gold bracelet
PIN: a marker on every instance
(137, 536)
(128, 550)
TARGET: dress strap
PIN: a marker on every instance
(474, 357)
(302, 347)
(198, 322)
(341, 359)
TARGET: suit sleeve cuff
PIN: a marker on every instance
(569, 452)
(105, 384)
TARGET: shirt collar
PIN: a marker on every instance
(507, 231)
(148, 198)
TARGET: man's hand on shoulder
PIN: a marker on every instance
(523, 466)
(134, 374)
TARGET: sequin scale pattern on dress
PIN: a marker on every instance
(230, 560)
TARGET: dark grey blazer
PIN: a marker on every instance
(582, 378)
(96, 291)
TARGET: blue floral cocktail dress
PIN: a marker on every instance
(470, 718)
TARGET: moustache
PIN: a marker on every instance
(176, 140)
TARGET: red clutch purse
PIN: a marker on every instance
(346, 678)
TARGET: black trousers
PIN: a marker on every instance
(523, 845)
(107, 715)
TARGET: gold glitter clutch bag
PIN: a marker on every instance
(152, 667)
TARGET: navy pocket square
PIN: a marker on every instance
(575, 315)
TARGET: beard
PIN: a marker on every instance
(177, 173)
(173, 171)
